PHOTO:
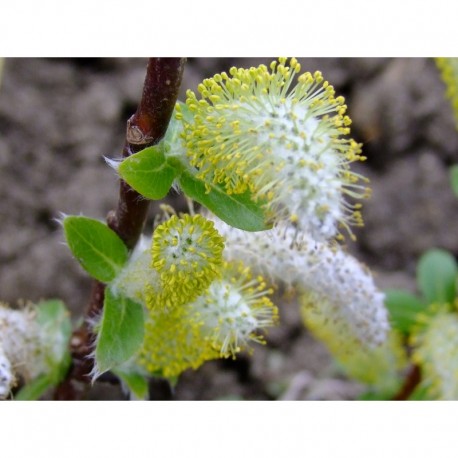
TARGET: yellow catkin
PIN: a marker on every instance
(187, 253)
(173, 343)
(379, 367)
(218, 324)
(435, 343)
(449, 71)
(280, 137)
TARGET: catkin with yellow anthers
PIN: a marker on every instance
(263, 122)
(449, 72)
(234, 309)
(379, 367)
(187, 253)
(435, 350)
(346, 288)
(26, 348)
(173, 343)
(7, 377)
(221, 322)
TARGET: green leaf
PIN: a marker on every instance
(403, 307)
(121, 332)
(173, 147)
(54, 319)
(35, 389)
(454, 179)
(238, 210)
(148, 172)
(436, 276)
(421, 393)
(135, 382)
(175, 127)
(96, 247)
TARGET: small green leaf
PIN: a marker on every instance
(96, 247)
(436, 276)
(421, 393)
(454, 179)
(35, 389)
(54, 319)
(173, 146)
(238, 210)
(135, 382)
(121, 332)
(404, 308)
(175, 127)
(148, 172)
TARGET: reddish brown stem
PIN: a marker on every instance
(145, 128)
(411, 381)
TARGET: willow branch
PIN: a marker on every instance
(145, 128)
(411, 381)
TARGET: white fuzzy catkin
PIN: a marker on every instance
(333, 277)
(22, 343)
(137, 275)
(436, 351)
(233, 312)
(282, 139)
(234, 308)
(7, 379)
(378, 367)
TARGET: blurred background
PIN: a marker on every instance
(59, 117)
